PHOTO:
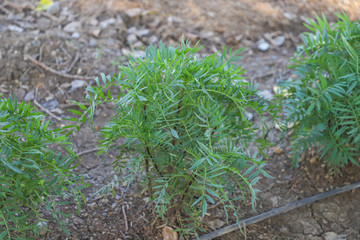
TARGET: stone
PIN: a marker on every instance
(54, 8)
(266, 94)
(75, 35)
(249, 116)
(216, 224)
(75, 84)
(15, 28)
(279, 41)
(43, 24)
(131, 39)
(51, 104)
(94, 22)
(20, 93)
(153, 39)
(313, 160)
(169, 234)
(106, 23)
(92, 206)
(206, 34)
(262, 45)
(143, 32)
(42, 226)
(29, 96)
(113, 206)
(72, 27)
(92, 42)
(278, 150)
(133, 12)
(334, 236)
(95, 33)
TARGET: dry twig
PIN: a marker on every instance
(76, 58)
(57, 72)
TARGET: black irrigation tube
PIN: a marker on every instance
(278, 211)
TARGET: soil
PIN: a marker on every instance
(102, 33)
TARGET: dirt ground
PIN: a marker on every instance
(82, 38)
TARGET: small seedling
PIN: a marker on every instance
(183, 122)
(323, 104)
(32, 172)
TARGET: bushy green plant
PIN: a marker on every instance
(32, 173)
(323, 104)
(184, 125)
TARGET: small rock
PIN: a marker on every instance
(289, 15)
(139, 54)
(117, 197)
(95, 33)
(249, 116)
(113, 206)
(206, 34)
(54, 8)
(104, 201)
(94, 22)
(334, 236)
(169, 234)
(274, 201)
(131, 39)
(29, 96)
(72, 27)
(15, 28)
(20, 93)
(93, 206)
(143, 32)
(313, 160)
(217, 223)
(133, 12)
(153, 39)
(147, 199)
(267, 94)
(279, 40)
(284, 230)
(43, 24)
(75, 84)
(278, 150)
(262, 45)
(51, 104)
(92, 42)
(75, 35)
(211, 14)
(138, 44)
(42, 227)
(106, 23)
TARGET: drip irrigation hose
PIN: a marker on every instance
(278, 211)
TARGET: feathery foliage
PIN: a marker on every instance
(183, 122)
(324, 103)
(31, 172)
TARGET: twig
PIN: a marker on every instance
(278, 211)
(45, 109)
(77, 57)
(88, 151)
(125, 218)
(57, 72)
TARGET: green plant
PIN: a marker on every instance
(323, 104)
(183, 121)
(32, 172)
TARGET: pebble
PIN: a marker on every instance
(94, 22)
(313, 160)
(153, 39)
(54, 8)
(113, 206)
(92, 42)
(278, 150)
(334, 236)
(29, 96)
(133, 12)
(51, 104)
(169, 234)
(131, 39)
(106, 23)
(104, 201)
(267, 94)
(95, 33)
(279, 40)
(143, 32)
(75, 84)
(215, 224)
(206, 34)
(42, 227)
(72, 27)
(75, 35)
(43, 24)
(93, 206)
(249, 116)
(262, 45)
(15, 28)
